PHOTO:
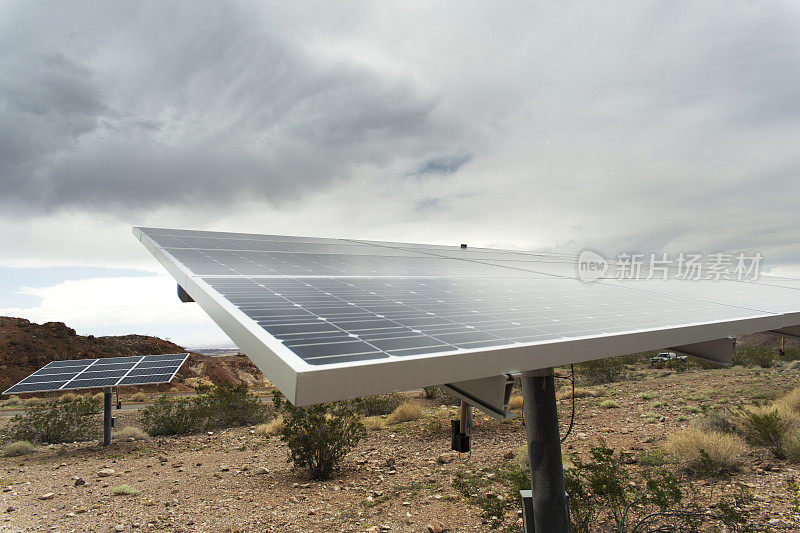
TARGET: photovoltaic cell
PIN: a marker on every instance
(106, 372)
(326, 303)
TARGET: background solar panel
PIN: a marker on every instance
(106, 372)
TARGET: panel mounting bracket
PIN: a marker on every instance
(184, 296)
(789, 331)
(490, 395)
(718, 351)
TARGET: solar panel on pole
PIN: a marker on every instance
(328, 319)
(101, 373)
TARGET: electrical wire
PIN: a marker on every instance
(572, 417)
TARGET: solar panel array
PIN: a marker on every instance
(105, 372)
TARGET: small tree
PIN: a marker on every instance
(319, 436)
(173, 417)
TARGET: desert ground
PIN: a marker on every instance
(399, 478)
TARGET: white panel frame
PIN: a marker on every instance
(305, 384)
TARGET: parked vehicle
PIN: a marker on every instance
(667, 359)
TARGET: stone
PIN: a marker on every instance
(10, 509)
(260, 471)
(435, 526)
(224, 468)
(119, 527)
(445, 458)
(79, 481)
(105, 472)
(47, 496)
(508, 455)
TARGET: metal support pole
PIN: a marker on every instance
(550, 509)
(107, 416)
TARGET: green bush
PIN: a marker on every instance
(173, 417)
(55, 423)
(765, 429)
(762, 356)
(601, 370)
(228, 405)
(382, 404)
(218, 406)
(319, 436)
(431, 392)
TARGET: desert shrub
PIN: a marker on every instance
(319, 436)
(603, 484)
(431, 392)
(227, 405)
(52, 424)
(601, 370)
(12, 401)
(382, 404)
(706, 453)
(515, 402)
(374, 422)
(17, 448)
(789, 401)
(765, 428)
(67, 397)
(176, 417)
(406, 412)
(98, 397)
(273, 427)
(718, 422)
(35, 402)
(138, 397)
(130, 432)
(762, 356)
(609, 404)
(125, 490)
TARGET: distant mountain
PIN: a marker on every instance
(26, 346)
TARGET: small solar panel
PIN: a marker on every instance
(327, 319)
(106, 372)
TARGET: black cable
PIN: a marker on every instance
(572, 417)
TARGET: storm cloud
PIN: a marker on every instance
(621, 126)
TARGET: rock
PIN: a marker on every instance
(508, 455)
(79, 481)
(445, 458)
(224, 468)
(377, 493)
(47, 496)
(260, 471)
(435, 526)
(119, 527)
(10, 509)
(105, 472)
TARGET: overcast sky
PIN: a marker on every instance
(617, 126)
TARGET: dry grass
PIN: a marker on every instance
(702, 452)
(609, 404)
(125, 490)
(15, 449)
(138, 397)
(580, 392)
(35, 402)
(791, 447)
(273, 427)
(406, 412)
(99, 397)
(67, 397)
(789, 401)
(515, 402)
(374, 422)
(130, 432)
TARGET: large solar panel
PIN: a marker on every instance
(106, 372)
(327, 319)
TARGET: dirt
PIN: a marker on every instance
(393, 480)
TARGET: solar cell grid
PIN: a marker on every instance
(91, 373)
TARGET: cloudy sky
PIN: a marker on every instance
(619, 126)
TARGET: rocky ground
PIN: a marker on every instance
(398, 479)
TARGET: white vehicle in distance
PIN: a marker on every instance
(667, 359)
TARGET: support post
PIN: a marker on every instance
(550, 510)
(107, 416)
